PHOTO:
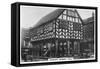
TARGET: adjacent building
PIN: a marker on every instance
(87, 45)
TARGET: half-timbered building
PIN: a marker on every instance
(57, 34)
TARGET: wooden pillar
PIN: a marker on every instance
(68, 48)
(78, 47)
(56, 44)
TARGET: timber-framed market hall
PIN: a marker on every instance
(58, 34)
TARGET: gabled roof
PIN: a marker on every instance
(79, 16)
(53, 15)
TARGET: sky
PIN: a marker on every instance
(30, 15)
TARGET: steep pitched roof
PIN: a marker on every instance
(53, 15)
(79, 16)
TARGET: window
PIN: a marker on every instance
(76, 19)
(66, 30)
(68, 18)
(79, 35)
(73, 20)
(64, 17)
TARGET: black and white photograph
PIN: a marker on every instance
(54, 34)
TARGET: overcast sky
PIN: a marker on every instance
(30, 15)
